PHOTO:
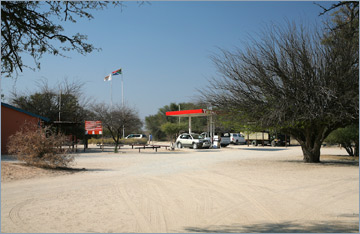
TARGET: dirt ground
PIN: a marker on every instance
(234, 189)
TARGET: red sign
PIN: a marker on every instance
(93, 128)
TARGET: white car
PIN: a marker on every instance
(192, 140)
(237, 138)
(136, 136)
(224, 138)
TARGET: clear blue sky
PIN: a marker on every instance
(163, 48)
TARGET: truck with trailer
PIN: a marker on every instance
(266, 138)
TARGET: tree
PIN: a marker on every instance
(65, 97)
(63, 102)
(291, 81)
(116, 118)
(172, 129)
(348, 137)
(29, 27)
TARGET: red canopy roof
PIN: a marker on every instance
(190, 113)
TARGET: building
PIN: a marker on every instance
(12, 119)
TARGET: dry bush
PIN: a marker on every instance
(39, 147)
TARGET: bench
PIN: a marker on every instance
(166, 146)
(103, 145)
(148, 147)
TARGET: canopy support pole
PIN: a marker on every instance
(189, 124)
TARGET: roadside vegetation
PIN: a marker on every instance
(300, 80)
(40, 147)
(110, 141)
(347, 137)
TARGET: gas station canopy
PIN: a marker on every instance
(195, 113)
(190, 113)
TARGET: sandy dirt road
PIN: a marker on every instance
(237, 189)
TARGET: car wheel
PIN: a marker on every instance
(254, 143)
(179, 145)
(273, 143)
(195, 146)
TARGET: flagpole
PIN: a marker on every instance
(122, 89)
(122, 98)
(111, 99)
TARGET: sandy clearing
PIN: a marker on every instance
(236, 189)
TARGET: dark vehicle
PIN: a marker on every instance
(267, 138)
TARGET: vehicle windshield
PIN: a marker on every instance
(197, 136)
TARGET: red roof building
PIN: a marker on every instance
(12, 119)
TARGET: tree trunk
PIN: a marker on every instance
(311, 154)
(356, 153)
(349, 149)
(310, 139)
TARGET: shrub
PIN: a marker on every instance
(39, 147)
(99, 141)
(172, 129)
(348, 137)
(131, 141)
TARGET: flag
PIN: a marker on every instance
(117, 72)
(107, 78)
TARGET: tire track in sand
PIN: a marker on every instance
(143, 223)
(225, 185)
(15, 217)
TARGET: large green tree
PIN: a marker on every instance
(290, 80)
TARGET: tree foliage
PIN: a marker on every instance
(289, 80)
(64, 104)
(348, 137)
(65, 97)
(172, 130)
(30, 27)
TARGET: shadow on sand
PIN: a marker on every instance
(286, 227)
(264, 149)
(334, 161)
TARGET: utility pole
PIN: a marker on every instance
(60, 105)
(122, 100)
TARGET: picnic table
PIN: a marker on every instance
(151, 147)
(107, 144)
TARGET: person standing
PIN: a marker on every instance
(150, 138)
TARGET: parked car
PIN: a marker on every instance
(224, 138)
(192, 140)
(136, 136)
(237, 138)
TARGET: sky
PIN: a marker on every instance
(163, 49)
